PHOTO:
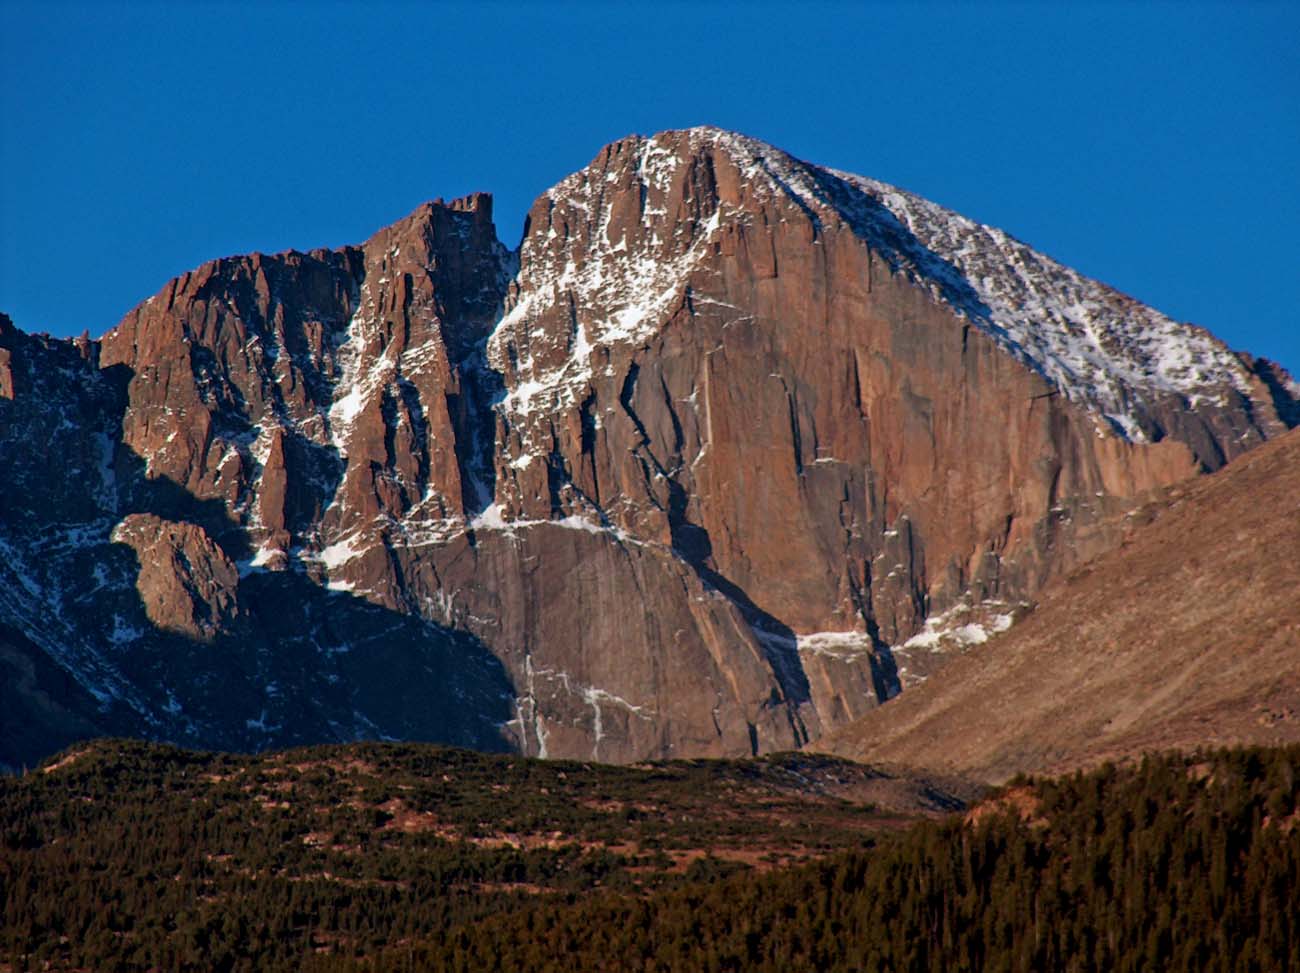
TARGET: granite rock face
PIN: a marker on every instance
(186, 583)
(671, 478)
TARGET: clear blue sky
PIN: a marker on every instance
(1156, 147)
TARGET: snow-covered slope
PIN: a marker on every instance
(619, 281)
(1098, 347)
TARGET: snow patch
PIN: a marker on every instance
(124, 633)
(492, 518)
(843, 646)
(1100, 348)
(619, 291)
(261, 724)
(951, 630)
(959, 629)
(263, 556)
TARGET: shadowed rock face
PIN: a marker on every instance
(187, 583)
(606, 486)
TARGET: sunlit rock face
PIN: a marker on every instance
(669, 479)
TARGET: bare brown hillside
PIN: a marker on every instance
(1187, 634)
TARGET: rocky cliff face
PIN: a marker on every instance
(1186, 636)
(670, 479)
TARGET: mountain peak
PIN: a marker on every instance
(1091, 344)
(793, 416)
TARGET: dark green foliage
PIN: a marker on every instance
(134, 857)
(1186, 864)
(143, 855)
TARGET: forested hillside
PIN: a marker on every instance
(130, 855)
(378, 857)
(1190, 865)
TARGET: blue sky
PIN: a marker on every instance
(1154, 146)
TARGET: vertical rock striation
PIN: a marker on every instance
(670, 479)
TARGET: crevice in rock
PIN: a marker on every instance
(474, 421)
(692, 544)
(1286, 398)
(587, 423)
(410, 396)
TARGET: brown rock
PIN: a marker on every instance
(280, 366)
(617, 651)
(719, 404)
(274, 485)
(1188, 635)
(6, 374)
(789, 409)
(186, 583)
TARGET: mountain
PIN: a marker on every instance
(669, 479)
(1186, 635)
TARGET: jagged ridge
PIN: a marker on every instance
(789, 413)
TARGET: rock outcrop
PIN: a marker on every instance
(671, 478)
(186, 583)
(1186, 636)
